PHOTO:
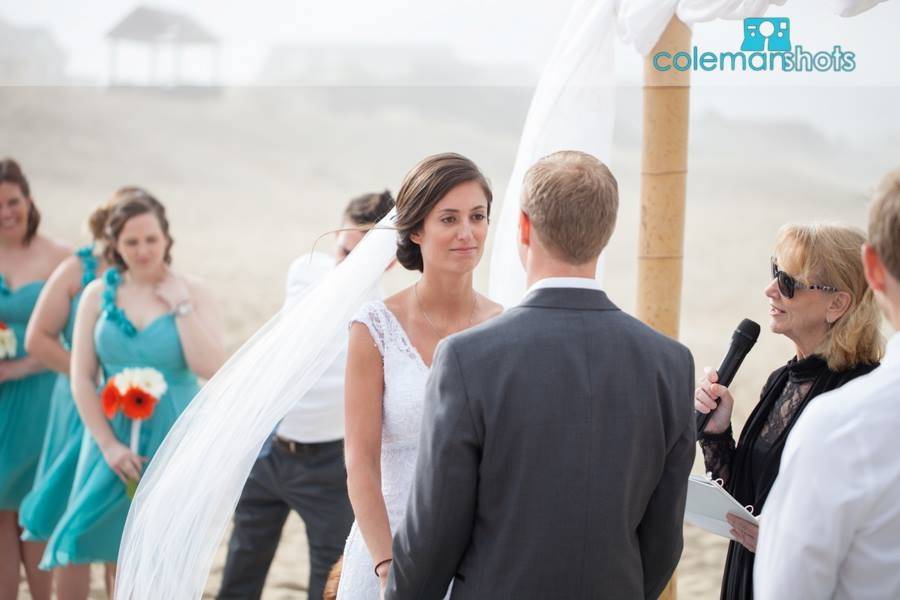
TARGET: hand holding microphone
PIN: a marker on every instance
(713, 398)
(713, 416)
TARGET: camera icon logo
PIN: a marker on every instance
(767, 33)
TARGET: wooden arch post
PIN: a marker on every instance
(663, 190)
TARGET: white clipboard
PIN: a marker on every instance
(708, 503)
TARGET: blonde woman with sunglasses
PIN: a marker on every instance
(819, 299)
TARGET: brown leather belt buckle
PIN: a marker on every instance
(288, 445)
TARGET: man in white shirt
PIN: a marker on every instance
(831, 527)
(302, 467)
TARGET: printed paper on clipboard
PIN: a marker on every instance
(708, 503)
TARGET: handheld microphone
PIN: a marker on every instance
(742, 340)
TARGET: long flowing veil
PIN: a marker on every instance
(189, 492)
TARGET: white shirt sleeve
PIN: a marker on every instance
(304, 273)
(815, 505)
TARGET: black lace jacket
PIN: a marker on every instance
(749, 468)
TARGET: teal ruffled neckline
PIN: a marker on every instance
(4, 289)
(88, 265)
(112, 278)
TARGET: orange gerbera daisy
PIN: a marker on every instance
(112, 400)
(3, 326)
(138, 404)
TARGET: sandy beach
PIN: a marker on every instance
(251, 177)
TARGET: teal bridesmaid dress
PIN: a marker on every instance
(45, 503)
(24, 403)
(91, 526)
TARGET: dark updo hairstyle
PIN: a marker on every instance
(423, 187)
(368, 209)
(98, 218)
(11, 172)
(132, 202)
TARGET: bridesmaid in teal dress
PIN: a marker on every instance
(26, 260)
(49, 339)
(140, 314)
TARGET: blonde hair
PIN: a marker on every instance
(884, 222)
(572, 199)
(828, 254)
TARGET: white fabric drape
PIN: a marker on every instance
(572, 109)
(574, 103)
(851, 8)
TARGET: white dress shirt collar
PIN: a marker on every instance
(584, 283)
(892, 351)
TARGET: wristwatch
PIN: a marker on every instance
(185, 307)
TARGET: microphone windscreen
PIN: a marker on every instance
(749, 329)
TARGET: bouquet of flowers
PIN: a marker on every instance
(136, 393)
(7, 342)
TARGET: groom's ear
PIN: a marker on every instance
(873, 268)
(524, 229)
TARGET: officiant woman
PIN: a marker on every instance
(819, 299)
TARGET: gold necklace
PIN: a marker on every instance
(428, 319)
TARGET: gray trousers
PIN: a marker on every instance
(310, 479)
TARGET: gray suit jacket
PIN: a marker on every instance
(556, 445)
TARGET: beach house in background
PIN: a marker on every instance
(30, 56)
(162, 48)
(429, 79)
(340, 64)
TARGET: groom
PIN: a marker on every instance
(557, 438)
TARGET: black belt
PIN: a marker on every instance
(302, 447)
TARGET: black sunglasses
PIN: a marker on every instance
(787, 285)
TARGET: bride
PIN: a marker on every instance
(442, 219)
(206, 458)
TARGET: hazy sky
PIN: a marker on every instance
(480, 30)
(510, 31)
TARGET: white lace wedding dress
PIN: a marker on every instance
(404, 389)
